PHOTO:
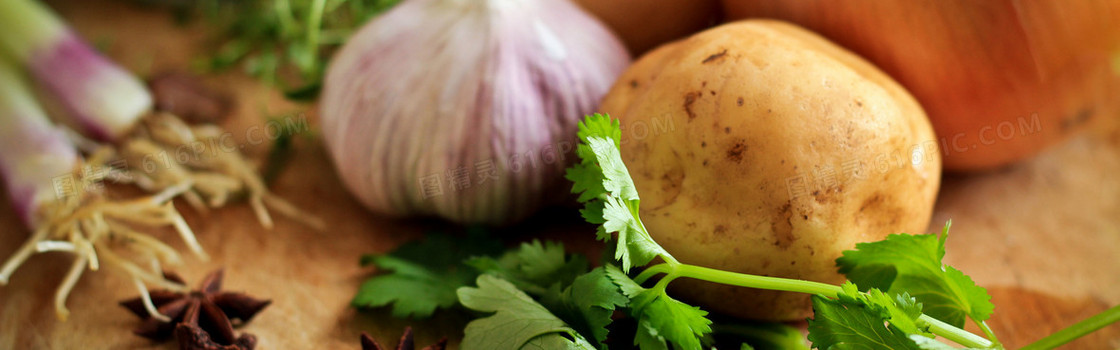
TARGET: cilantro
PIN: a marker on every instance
(661, 318)
(759, 335)
(420, 282)
(534, 267)
(587, 305)
(870, 320)
(518, 321)
(284, 42)
(608, 193)
(912, 263)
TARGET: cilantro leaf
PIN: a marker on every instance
(608, 192)
(420, 282)
(839, 325)
(587, 305)
(518, 321)
(534, 266)
(913, 263)
(759, 335)
(856, 320)
(661, 319)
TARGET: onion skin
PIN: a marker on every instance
(645, 24)
(1000, 79)
(438, 89)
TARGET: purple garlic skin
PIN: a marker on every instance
(465, 109)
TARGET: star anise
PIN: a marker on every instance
(201, 319)
(405, 343)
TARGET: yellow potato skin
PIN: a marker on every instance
(761, 148)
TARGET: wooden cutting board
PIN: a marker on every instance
(1042, 236)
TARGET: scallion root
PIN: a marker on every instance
(90, 227)
(165, 152)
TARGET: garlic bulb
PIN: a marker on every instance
(465, 109)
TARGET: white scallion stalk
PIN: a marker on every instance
(105, 102)
(48, 184)
(100, 97)
(33, 153)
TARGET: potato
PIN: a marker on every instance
(761, 148)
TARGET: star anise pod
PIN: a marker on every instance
(405, 343)
(202, 319)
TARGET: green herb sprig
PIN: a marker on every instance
(900, 294)
(269, 38)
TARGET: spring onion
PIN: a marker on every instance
(100, 98)
(58, 196)
(107, 103)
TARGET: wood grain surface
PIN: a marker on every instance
(1043, 236)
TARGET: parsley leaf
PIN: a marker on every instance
(608, 193)
(518, 321)
(419, 282)
(661, 319)
(913, 263)
(587, 305)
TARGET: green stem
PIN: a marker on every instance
(1077, 330)
(753, 281)
(988, 331)
(314, 21)
(675, 270)
(955, 334)
(652, 271)
(284, 14)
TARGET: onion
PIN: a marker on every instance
(462, 109)
(999, 79)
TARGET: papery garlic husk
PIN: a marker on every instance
(465, 109)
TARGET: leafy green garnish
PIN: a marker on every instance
(285, 42)
(661, 318)
(534, 267)
(420, 281)
(588, 303)
(869, 320)
(758, 335)
(608, 193)
(518, 321)
(912, 263)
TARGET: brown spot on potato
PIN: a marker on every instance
(705, 163)
(735, 153)
(713, 92)
(872, 202)
(782, 227)
(689, 99)
(715, 57)
(726, 130)
(633, 84)
(703, 144)
(739, 102)
(720, 230)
